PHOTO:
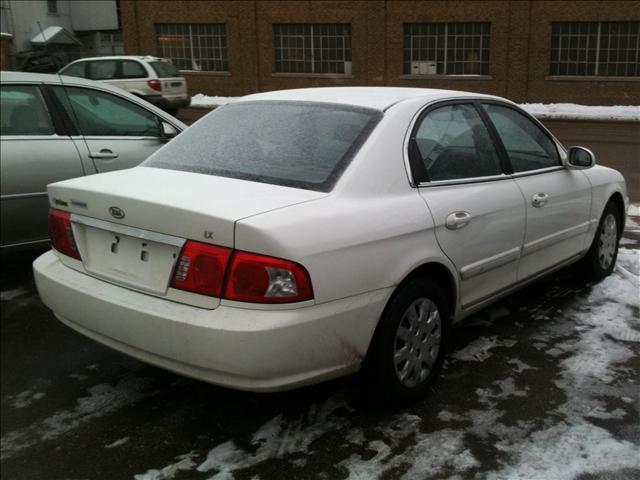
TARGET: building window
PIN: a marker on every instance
(194, 46)
(446, 48)
(607, 49)
(52, 6)
(312, 47)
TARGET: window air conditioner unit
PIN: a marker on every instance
(424, 68)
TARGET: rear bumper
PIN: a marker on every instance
(247, 349)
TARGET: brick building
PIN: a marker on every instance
(536, 51)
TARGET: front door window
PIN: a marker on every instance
(528, 146)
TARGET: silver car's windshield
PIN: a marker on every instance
(298, 144)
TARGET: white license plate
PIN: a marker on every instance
(137, 262)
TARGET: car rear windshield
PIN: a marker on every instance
(297, 144)
(164, 69)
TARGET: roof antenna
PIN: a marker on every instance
(44, 40)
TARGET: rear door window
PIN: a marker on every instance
(23, 111)
(132, 69)
(103, 69)
(454, 144)
(102, 114)
(75, 70)
(528, 146)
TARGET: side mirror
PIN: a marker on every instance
(167, 131)
(580, 158)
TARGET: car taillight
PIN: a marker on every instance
(240, 276)
(155, 85)
(61, 233)
(261, 279)
(201, 268)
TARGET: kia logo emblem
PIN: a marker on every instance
(116, 212)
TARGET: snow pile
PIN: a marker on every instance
(634, 210)
(573, 111)
(200, 100)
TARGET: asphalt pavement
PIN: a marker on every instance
(543, 385)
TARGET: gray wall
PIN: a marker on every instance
(26, 14)
(93, 15)
(21, 17)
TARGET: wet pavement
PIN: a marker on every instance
(542, 385)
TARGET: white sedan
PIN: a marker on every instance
(296, 236)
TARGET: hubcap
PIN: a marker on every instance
(607, 241)
(417, 342)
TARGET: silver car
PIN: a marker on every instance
(55, 127)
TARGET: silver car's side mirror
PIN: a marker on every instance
(580, 158)
(168, 131)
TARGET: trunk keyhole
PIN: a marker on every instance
(114, 245)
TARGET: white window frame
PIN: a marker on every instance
(592, 68)
(192, 50)
(341, 53)
(442, 43)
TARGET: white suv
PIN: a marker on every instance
(152, 78)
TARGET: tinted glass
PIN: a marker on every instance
(102, 114)
(454, 143)
(132, 69)
(103, 69)
(528, 146)
(299, 144)
(164, 69)
(75, 70)
(23, 111)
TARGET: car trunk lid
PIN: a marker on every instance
(130, 225)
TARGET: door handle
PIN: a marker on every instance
(539, 199)
(457, 220)
(104, 154)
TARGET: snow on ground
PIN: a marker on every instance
(8, 295)
(117, 443)
(101, 400)
(556, 111)
(572, 111)
(479, 350)
(634, 210)
(29, 396)
(185, 462)
(204, 101)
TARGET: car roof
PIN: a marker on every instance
(55, 79)
(52, 78)
(147, 58)
(378, 98)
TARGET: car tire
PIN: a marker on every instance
(600, 260)
(409, 345)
